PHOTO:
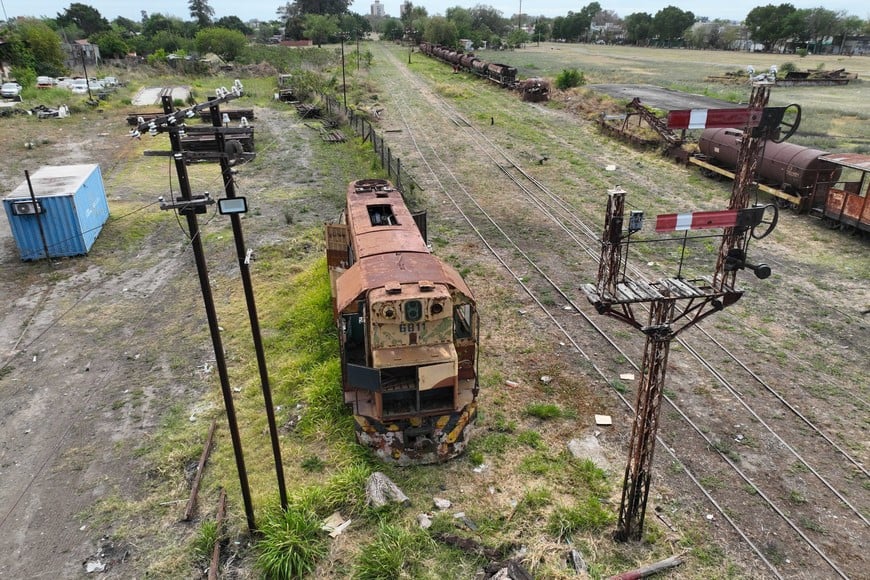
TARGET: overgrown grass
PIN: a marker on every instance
(394, 553)
(587, 515)
(292, 544)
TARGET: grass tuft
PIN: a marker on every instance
(394, 553)
(588, 515)
(293, 542)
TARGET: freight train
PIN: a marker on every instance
(408, 331)
(533, 89)
(834, 186)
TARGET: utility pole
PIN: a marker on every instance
(190, 206)
(227, 172)
(343, 81)
(675, 304)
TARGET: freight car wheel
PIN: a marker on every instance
(791, 120)
(768, 222)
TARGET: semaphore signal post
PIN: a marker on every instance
(664, 308)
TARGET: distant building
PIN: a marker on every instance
(80, 50)
(377, 9)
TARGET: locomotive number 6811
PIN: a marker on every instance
(408, 331)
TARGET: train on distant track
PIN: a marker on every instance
(408, 330)
(833, 186)
(533, 89)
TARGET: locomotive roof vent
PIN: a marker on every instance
(393, 288)
(426, 285)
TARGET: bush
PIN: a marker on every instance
(570, 78)
(787, 67)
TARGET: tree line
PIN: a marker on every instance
(33, 46)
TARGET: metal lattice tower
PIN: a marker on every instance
(674, 304)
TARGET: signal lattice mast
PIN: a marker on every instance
(675, 304)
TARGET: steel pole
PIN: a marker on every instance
(211, 315)
(245, 269)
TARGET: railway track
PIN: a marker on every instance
(775, 462)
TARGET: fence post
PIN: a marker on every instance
(389, 161)
(399, 175)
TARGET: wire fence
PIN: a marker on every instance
(364, 129)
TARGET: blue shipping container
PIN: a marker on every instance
(70, 205)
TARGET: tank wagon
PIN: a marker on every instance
(408, 331)
(800, 173)
(501, 74)
(833, 186)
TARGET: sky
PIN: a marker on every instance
(266, 9)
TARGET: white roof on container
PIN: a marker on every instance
(54, 180)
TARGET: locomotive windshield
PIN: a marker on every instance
(413, 310)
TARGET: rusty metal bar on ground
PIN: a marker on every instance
(216, 551)
(194, 489)
(650, 570)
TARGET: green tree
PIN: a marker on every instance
(320, 28)
(201, 11)
(516, 38)
(157, 22)
(462, 20)
(233, 23)
(488, 18)
(638, 28)
(85, 17)
(306, 7)
(439, 30)
(542, 31)
(227, 44)
(111, 44)
(42, 45)
(821, 23)
(670, 23)
(126, 27)
(769, 24)
(586, 16)
(392, 29)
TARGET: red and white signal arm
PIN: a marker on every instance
(714, 118)
(699, 220)
(703, 220)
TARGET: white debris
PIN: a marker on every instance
(626, 376)
(92, 566)
(603, 420)
(441, 503)
(425, 521)
(546, 379)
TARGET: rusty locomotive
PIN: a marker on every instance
(835, 187)
(532, 89)
(408, 330)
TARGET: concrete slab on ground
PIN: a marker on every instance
(151, 95)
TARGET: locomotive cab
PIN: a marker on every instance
(421, 348)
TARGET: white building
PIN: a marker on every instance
(377, 9)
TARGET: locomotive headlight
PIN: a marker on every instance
(437, 308)
(389, 313)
